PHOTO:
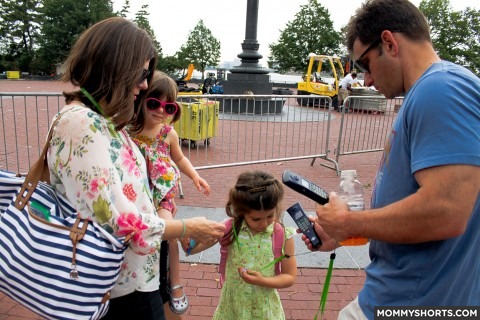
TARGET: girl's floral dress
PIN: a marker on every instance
(104, 176)
(164, 173)
(240, 300)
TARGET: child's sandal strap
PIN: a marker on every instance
(178, 305)
(175, 287)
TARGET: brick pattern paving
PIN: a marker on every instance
(300, 301)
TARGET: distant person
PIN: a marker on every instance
(97, 167)
(424, 224)
(251, 281)
(209, 82)
(152, 130)
(345, 86)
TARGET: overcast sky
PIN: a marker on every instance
(172, 21)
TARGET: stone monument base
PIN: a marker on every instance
(252, 105)
(247, 83)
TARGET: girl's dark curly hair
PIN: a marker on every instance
(254, 190)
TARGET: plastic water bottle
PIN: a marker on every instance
(351, 192)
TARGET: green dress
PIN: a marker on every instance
(240, 300)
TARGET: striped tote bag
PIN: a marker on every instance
(63, 268)
(52, 261)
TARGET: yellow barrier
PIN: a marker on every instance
(199, 121)
(13, 74)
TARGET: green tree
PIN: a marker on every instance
(63, 22)
(471, 52)
(19, 30)
(125, 9)
(202, 49)
(455, 34)
(171, 66)
(141, 19)
(311, 31)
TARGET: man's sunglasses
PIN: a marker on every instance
(145, 74)
(365, 67)
(359, 64)
(169, 107)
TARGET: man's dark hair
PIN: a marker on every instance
(354, 74)
(375, 16)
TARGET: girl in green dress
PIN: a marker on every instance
(251, 281)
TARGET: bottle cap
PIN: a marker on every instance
(346, 173)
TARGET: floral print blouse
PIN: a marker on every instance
(103, 174)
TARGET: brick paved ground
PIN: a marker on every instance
(299, 301)
(302, 299)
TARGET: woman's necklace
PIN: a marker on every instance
(100, 110)
(125, 140)
(92, 100)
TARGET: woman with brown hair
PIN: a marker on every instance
(96, 166)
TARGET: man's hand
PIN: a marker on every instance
(332, 218)
(328, 243)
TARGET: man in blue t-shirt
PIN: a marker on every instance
(424, 224)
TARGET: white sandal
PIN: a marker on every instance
(178, 305)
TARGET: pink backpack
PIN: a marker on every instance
(278, 239)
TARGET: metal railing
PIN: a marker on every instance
(257, 129)
(366, 123)
(25, 119)
(224, 130)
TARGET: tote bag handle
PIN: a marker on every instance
(38, 171)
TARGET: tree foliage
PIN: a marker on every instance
(141, 19)
(311, 31)
(175, 65)
(125, 9)
(63, 21)
(19, 30)
(202, 49)
(35, 35)
(455, 34)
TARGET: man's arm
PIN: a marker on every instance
(439, 210)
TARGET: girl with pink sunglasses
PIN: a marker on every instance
(152, 130)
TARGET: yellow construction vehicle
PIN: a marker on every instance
(183, 88)
(322, 79)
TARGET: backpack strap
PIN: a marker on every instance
(224, 251)
(278, 244)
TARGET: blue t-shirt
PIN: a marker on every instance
(438, 124)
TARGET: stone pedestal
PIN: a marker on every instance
(242, 105)
(245, 83)
(250, 77)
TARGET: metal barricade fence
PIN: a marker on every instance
(225, 130)
(365, 124)
(215, 130)
(25, 119)
(257, 129)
